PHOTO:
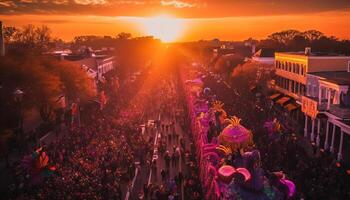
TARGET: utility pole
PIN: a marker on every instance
(2, 45)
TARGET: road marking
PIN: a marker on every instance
(132, 183)
(154, 156)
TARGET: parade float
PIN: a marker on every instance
(36, 167)
(235, 135)
(229, 167)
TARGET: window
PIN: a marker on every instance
(301, 89)
(302, 69)
(297, 68)
(297, 88)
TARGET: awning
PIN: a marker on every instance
(291, 106)
(283, 100)
(274, 96)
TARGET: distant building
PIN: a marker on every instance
(99, 64)
(265, 56)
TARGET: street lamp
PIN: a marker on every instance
(18, 96)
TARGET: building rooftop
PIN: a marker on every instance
(88, 62)
(337, 77)
(263, 53)
(313, 54)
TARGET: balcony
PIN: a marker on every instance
(320, 107)
(341, 112)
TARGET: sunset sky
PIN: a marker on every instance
(188, 19)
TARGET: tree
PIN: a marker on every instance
(298, 43)
(43, 80)
(124, 36)
(284, 37)
(226, 63)
(74, 79)
(28, 38)
(312, 35)
(10, 34)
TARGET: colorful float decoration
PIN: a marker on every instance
(223, 150)
(273, 126)
(290, 185)
(226, 173)
(235, 135)
(218, 113)
(37, 167)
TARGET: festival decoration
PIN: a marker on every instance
(273, 126)
(235, 135)
(224, 150)
(36, 166)
(206, 91)
(290, 185)
(244, 172)
(226, 173)
(219, 113)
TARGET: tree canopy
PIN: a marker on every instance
(294, 40)
(28, 38)
(43, 80)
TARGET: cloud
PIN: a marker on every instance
(7, 4)
(91, 2)
(181, 8)
(177, 4)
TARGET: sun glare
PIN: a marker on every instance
(163, 27)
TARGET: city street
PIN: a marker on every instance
(166, 140)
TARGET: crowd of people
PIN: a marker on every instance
(94, 159)
(97, 158)
(172, 147)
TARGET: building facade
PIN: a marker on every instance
(319, 84)
(327, 111)
(291, 69)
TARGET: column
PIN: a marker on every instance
(289, 85)
(318, 132)
(329, 99)
(340, 145)
(305, 129)
(326, 140)
(320, 95)
(313, 130)
(333, 135)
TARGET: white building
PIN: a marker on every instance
(326, 106)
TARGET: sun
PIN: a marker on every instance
(163, 27)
